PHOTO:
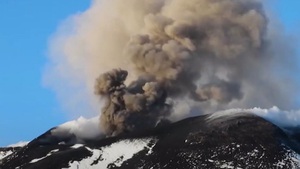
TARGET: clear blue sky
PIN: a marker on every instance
(28, 109)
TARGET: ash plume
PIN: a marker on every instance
(214, 54)
(126, 109)
(173, 50)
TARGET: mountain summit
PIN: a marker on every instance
(237, 140)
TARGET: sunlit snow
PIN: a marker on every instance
(115, 154)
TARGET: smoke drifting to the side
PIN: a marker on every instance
(210, 54)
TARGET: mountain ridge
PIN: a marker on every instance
(242, 140)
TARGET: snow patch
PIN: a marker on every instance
(4, 154)
(77, 146)
(291, 156)
(37, 159)
(19, 144)
(115, 153)
(49, 154)
(229, 166)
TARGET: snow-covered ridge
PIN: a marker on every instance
(19, 144)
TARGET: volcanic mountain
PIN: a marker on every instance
(228, 140)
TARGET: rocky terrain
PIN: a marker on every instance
(239, 140)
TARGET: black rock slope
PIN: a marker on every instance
(230, 141)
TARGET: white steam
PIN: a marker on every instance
(87, 129)
(279, 117)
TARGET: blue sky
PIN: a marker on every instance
(27, 108)
(288, 12)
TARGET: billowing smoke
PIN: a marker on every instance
(210, 54)
(138, 106)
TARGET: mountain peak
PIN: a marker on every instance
(238, 140)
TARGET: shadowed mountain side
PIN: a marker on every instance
(239, 140)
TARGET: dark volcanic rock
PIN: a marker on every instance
(230, 141)
(242, 141)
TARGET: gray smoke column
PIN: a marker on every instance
(157, 54)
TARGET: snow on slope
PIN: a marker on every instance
(290, 156)
(4, 154)
(49, 154)
(19, 144)
(115, 153)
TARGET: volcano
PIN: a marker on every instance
(236, 140)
